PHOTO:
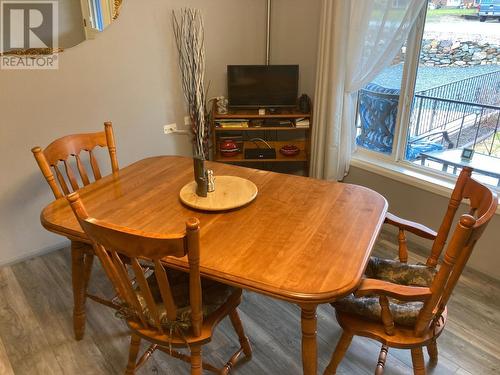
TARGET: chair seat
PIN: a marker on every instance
(404, 313)
(214, 295)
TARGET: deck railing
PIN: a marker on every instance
(465, 113)
(480, 89)
(467, 124)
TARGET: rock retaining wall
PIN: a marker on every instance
(456, 53)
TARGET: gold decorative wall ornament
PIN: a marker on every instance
(116, 11)
(32, 52)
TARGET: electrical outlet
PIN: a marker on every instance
(170, 128)
(187, 120)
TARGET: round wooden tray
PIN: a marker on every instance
(230, 192)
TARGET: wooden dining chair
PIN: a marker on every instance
(167, 308)
(404, 305)
(56, 158)
(55, 162)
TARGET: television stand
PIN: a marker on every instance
(280, 127)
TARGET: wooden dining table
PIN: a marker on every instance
(302, 240)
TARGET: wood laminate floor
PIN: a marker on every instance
(36, 329)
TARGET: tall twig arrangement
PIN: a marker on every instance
(190, 39)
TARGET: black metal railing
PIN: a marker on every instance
(464, 113)
(456, 98)
(467, 124)
(480, 89)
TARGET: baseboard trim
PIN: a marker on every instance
(31, 254)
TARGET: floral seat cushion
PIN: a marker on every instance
(396, 272)
(403, 313)
(214, 295)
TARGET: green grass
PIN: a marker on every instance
(438, 13)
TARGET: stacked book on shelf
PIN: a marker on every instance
(231, 123)
(302, 123)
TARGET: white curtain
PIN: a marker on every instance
(358, 39)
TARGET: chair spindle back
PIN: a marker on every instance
(444, 229)
(112, 242)
(483, 204)
(60, 151)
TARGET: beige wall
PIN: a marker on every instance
(294, 38)
(129, 75)
(428, 208)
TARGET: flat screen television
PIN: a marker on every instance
(262, 85)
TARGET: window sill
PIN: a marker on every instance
(406, 173)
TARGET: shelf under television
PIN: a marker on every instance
(254, 114)
(240, 158)
(259, 128)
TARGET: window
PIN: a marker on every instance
(440, 95)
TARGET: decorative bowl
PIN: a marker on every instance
(229, 148)
(289, 150)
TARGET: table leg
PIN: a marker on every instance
(309, 345)
(78, 279)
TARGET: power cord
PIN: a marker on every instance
(254, 140)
